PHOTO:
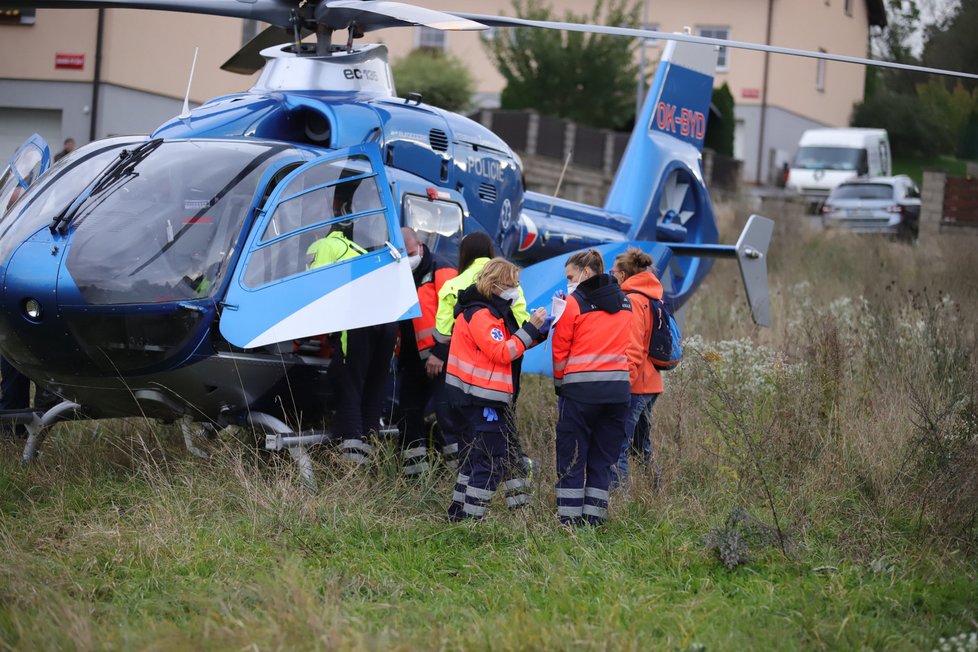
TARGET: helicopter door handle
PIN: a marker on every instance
(395, 254)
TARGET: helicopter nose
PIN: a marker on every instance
(30, 330)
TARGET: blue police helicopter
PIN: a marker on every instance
(166, 276)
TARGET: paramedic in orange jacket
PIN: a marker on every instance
(480, 379)
(639, 283)
(417, 342)
(590, 344)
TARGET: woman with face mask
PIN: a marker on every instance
(590, 343)
(474, 253)
(480, 379)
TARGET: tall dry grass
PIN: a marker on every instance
(849, 426)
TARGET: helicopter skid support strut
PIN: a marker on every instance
(279, 436)
(38, 426)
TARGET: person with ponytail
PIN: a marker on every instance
(633, 270)
(590, 342)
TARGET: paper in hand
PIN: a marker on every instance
(557, 308)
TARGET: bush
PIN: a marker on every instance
(441, 79)
(720, 134)
(912, 130)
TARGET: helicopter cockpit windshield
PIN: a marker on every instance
(166, 231)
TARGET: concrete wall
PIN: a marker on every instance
(73, 99)
(127, 111)
(782, 130)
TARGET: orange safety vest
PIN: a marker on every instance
(480, 360)
(590, 347)
(428, 288)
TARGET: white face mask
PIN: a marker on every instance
(511, 295)
(572, 285)
(414, 261)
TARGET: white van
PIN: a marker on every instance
(827, 157)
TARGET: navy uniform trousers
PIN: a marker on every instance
(489, 461)
(589, 438)
(358, 383)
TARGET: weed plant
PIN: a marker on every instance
(819, 490)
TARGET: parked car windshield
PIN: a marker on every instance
(829, 158)
(863, 191)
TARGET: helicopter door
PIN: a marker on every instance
(325, 255)
(29, 162)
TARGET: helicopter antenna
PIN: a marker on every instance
(560, 179)
(185, 115)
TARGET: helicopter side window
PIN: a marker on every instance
(324, 226)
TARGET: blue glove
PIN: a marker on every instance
(490, 414)
(547, 323)
(560, 294)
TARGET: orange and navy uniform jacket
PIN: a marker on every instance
(429, 276)
(639, 288)
(590, 343)
(485, 344)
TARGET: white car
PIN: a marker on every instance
(875, 205)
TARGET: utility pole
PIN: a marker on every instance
(640, 92)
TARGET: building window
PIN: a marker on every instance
(820, 74)
(430, 39)
(11, 16)
(847, 4)
(651, 42)
(723, 55)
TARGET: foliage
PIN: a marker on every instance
(912, 132)
(587, 78)
(894, 42)
(441, 79)
(951, 43)
(720, 135)
(953, 106)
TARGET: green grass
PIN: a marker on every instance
(224, 554)
(914, 166)
(118, 539)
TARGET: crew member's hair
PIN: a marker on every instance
(590, 259)
(474, 245)
(633, 261)
(498, 274)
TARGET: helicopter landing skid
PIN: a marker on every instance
(279, 436)
(189, 430)
(38, 426)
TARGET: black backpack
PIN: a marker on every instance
(665, 341)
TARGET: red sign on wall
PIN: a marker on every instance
(70, 61)
(750, 93)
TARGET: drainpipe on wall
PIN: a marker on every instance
(97, 76)
(767, 60)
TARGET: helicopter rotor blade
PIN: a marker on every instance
(276, 12)
(369, 15)
(248, 59)
(506, 21)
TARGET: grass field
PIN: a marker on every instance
(915, 166)
(851, 425)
